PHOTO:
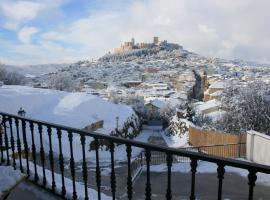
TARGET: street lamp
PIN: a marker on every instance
(21, 112)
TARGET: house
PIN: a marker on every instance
(154, 107)
(214, 91)
(208, 107)
(216, 86)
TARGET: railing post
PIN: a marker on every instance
(193, 165)
(169, 160)
(6, 139)
(113, 180)
(1, 144)
(61, 161)
(221, 172)
(49, 129)
(12, 142)
(148, 183)
(252, 177)
(129, 177)
(34, 150)
(98, 178)
(84, 168)
(72, 165)
(25, 146)
(19, 143)
(42, 155)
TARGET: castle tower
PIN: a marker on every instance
(156, 40)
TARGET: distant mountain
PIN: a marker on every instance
(35, 70)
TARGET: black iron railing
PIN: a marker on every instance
(29, 145)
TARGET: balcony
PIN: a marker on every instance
(48, 156)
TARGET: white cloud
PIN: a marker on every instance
(25, 34)
(229, 29)
(19, 12)
(205, 29)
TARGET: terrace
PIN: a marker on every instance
(28, 146)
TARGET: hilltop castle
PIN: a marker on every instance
(127, 46)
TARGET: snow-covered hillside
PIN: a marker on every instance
(71, 109)
(35, 70)
(77, 110)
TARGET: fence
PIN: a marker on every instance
(157, 158)
(226, 150)
(17, 137)
(201, 137)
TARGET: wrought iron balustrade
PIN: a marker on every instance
(22, 145)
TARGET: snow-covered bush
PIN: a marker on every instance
(178, 126)
(130, 129)
(247, 108)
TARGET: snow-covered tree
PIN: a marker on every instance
(203, 121)
(247, 108)
(11, 78)
(63, 81)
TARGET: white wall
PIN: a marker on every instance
(258, 147)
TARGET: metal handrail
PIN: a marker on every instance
(221, 162)
(215, 159)
(214, 145)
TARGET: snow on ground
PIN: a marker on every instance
(76, 110)
(120, 151)
(8, 178)
(207, 167)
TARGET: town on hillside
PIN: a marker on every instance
(143, 114)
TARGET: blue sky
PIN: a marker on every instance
(63, 31)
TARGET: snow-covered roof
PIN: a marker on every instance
(218, 85)
(217, 115)
(163, 102)
(207, 105)
(216, 94)
(71, 109)
(157, 103)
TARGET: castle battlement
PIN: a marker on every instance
(130, 45)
